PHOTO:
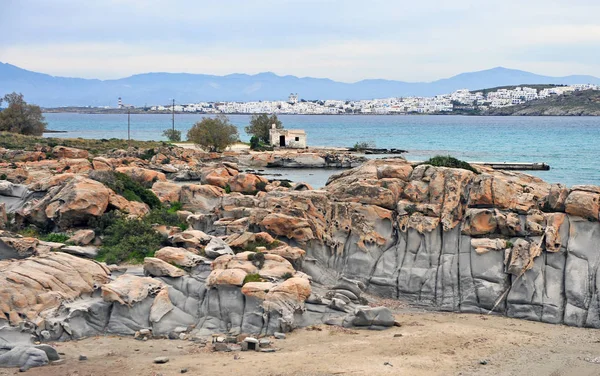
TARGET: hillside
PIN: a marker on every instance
(581, 103)
(157, 88)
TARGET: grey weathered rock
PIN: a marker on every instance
(217, 247)
(161, 360)
(80, 251)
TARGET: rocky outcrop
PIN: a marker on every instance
(444, 238)
(70, 204)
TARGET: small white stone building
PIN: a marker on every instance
(287, 138)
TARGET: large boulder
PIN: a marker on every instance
(69, 205)
(141, 175)
(31, 288)
(200, 198)
(247, 183)
(61, 152)
(159, 268)
(166, 191)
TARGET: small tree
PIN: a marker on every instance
(172, 135)
(20, 117)
(214, 134)
(260, 124)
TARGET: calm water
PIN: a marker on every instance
(570, 145)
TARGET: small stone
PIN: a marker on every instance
(82, 358)
(57, 362)
(180, 347)
(250, 340)
(397, 335)
(220, 346)
(264, 342)
(180, 329)
(183, 370)
(268, 350)
(145, 332)
(279, 335)
(483, 362)
(161, 360)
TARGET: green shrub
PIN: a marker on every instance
(261, 186)
(251, 246)
(172, 135)
(128, 240)
(3, 177)
(128, 188)
(448, 161)
(164, 216)
(410, 209)
(509, 244)
(254, 143)
(257, 259)
(363, 145)
(285, 184)
(252, 277)
(55, 237)
(287, 275)
(175, 207)
(166, 161)
(227, 189)
(148, 154)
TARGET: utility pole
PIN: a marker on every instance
(129, 126)
(173, 112)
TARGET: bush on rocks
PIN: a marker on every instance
(448, 161)
(128, 240)
(126, 187)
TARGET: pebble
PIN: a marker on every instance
(397, 335)
(161, 360)
(279, 335)
(82, 358)
(184, 370)
(268, 350)
(483, 362)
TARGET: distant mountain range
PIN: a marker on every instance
(156, 88)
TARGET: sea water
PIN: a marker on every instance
(570, 145)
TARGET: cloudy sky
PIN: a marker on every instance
(345, 40)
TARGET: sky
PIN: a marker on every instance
(346, 40)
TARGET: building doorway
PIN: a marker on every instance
(282, 141)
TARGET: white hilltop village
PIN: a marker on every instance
(463, 99)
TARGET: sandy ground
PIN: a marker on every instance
(426, 344)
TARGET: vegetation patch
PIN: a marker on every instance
(128, 240)
(127, 187)
(287, 275)
(252, 277)
(410, 209)
(15, 141)
(257, 259)
(448, 161)
(251, 246)
(165, 216)
(55, 237)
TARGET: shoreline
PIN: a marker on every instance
(142, 112)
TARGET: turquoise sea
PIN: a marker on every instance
(570, 145)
